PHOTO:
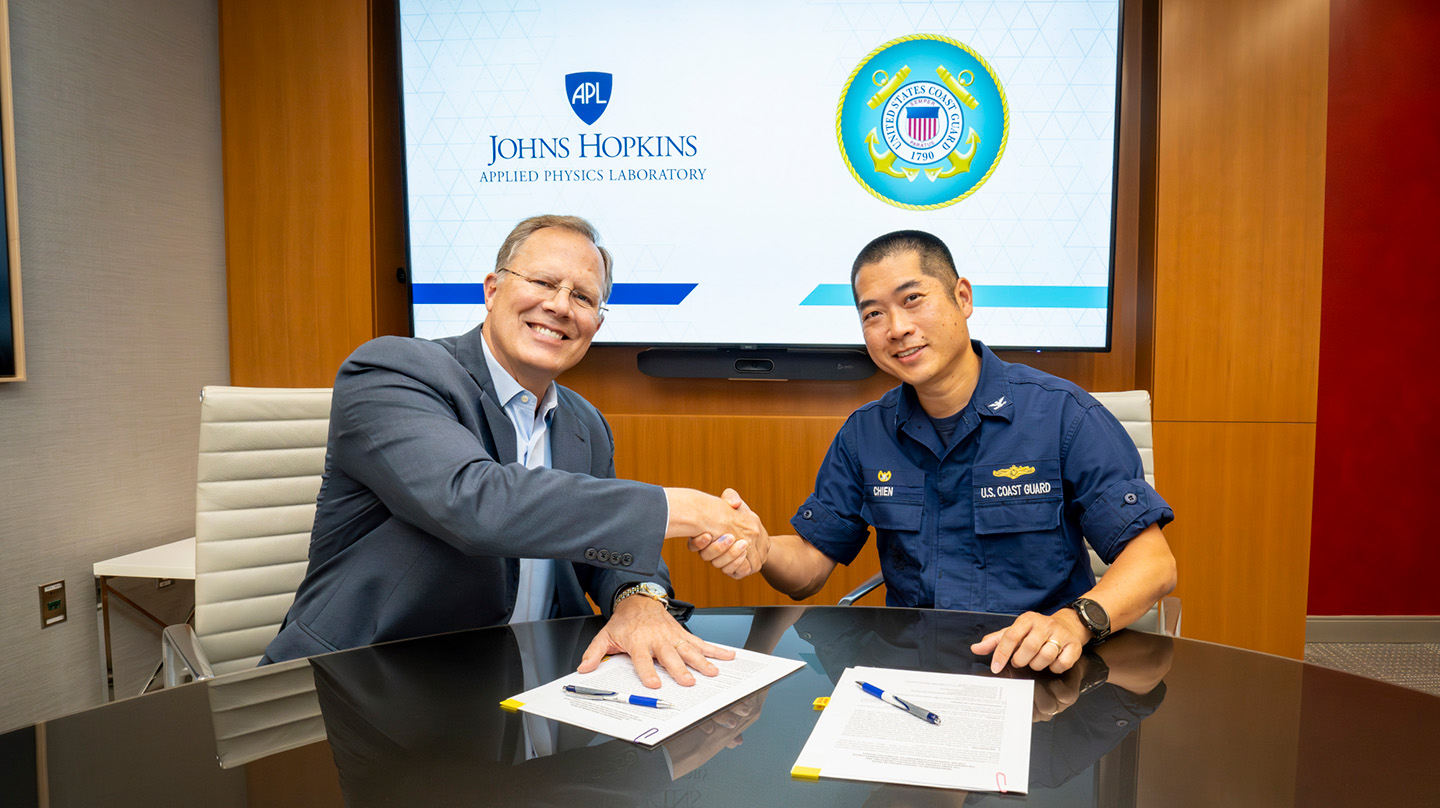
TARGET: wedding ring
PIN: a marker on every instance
(1058, 646)
(682, 642)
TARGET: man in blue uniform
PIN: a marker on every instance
(981, 478)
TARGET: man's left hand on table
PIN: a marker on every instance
(644, 629)
(1036, 641)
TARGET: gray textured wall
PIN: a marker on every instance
(117, 130)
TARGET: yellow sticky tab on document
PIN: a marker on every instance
(511, 705)
(804, 773)
(821, 703)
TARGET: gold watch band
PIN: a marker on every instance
(649, 590)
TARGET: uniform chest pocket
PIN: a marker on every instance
(1017, 517)
(1018, 497)
(894, 498)
(894, 515)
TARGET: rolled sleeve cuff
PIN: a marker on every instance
(839, 539)
(1120, 514)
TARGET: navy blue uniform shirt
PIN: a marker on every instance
(997, 520)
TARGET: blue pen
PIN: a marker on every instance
(895, 701)
(610, 695)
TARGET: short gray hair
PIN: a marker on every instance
(529, 227)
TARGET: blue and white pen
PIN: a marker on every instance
(611, 695)
(894, 700)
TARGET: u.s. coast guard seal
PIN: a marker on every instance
(922, 122)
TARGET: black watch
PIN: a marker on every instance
(1093, 617)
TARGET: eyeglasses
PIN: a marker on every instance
(587, 301)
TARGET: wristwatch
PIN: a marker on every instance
(1093, 617)
(645, 588)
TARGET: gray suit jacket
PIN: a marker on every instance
(424, 509)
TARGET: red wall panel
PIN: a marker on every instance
(1375, 548)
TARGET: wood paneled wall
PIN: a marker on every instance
(313, 212)
(313, 218)
(1216, 286)
(1240, 212)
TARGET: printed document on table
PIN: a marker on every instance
(982, 742)
(739, 677)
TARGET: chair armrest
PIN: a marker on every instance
(863, 589)
(183, 656)
(1169, 615)
(1162, 618)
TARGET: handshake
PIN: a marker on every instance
(724, 531)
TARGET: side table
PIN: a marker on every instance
(175, 560)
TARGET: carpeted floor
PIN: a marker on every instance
(1413, 665)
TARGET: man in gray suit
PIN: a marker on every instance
(464, 488)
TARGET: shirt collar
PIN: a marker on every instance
(506, 388)
(991, 398)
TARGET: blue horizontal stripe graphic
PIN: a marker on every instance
(1020, 297)
(622, 294)
(649, 294)
(830, 294)
(448, 293)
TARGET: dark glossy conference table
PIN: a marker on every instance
(1146, 720)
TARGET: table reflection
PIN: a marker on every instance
(418, 722)
(412, 719)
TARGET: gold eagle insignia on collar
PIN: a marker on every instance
(1014, 472)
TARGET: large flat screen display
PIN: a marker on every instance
(735, 156)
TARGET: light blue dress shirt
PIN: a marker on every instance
(532, 446)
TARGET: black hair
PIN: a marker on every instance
(935, 258)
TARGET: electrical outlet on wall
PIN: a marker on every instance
(52, 604)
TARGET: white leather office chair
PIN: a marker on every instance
(262, 453)
(1132, 409)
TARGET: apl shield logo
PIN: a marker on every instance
(923, 122)
(589, 94)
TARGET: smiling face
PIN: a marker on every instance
(533, 334)
(915, 330)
